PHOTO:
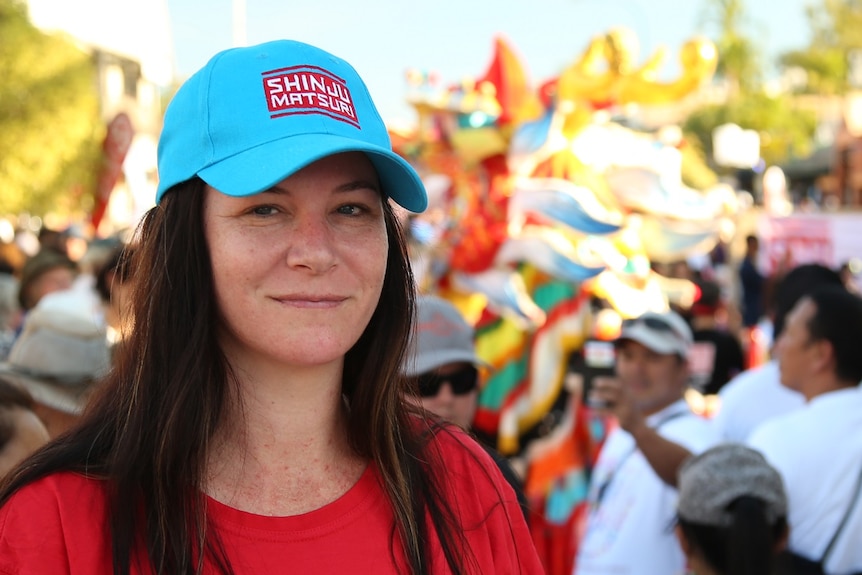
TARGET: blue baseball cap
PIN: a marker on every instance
(253, 116)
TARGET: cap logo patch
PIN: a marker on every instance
(308, 90)
(439, 326)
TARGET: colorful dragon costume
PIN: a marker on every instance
(541, 201)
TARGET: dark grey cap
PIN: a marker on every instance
(711, 481)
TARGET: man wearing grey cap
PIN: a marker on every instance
(631, 505)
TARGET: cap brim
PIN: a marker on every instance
(68, 399)
(650, 339)
(430, 361)
(258, 169)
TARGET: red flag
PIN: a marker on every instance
(513, 90)
(114, 149)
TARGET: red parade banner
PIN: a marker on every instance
(114, 149)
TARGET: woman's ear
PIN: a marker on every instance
(781, 542)
(684, 543)
(825, 358)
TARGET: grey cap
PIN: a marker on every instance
(442, 336)
(711, 481)
(673, 337)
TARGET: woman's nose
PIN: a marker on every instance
(310, 244)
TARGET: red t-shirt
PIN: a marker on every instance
(58, 525)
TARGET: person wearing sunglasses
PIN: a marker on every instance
(443, 362)
(631, 495)
(444, 368)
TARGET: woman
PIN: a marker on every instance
(254, 422)
(46, 272)
(732, 512)
(113, 284)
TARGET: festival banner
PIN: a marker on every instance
(117, 142)
(799, 239)
(829, 239)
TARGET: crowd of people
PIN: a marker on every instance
(251, 380)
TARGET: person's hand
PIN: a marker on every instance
(609, 395)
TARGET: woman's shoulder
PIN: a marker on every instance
(455, 444)
(47, 521)
(52, 500)
(65, 487)
(461, 457)
(486, 504)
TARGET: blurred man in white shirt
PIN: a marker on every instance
(632, 504)
(818, 448)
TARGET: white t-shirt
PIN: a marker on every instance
(818, 451)
(630, 527)
(751, 398)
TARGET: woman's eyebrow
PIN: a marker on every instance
(346, 187)
(358, 185)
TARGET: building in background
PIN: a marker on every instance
(130, 42)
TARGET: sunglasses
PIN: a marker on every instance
(462, 381)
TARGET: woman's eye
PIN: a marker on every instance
(350, 210)
(263, 210)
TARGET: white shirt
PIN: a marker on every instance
(630, 527)
(818, 451)
(751, 398)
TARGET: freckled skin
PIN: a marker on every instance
(297, 273)
(298, 270)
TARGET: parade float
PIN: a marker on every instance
(547, 204)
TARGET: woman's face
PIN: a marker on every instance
(56, 279)
(298, 269)
(458, 408)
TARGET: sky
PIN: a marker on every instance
(454, 38)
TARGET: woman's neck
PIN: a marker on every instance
(283, 448)
(697, 566)
(702, 322)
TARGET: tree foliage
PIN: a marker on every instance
(825, 69)
(836, 38)
(49, 118)
(739, 62)
(785, 130)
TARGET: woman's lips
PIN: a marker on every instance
(310, 300)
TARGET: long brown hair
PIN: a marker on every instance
(148, 431)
